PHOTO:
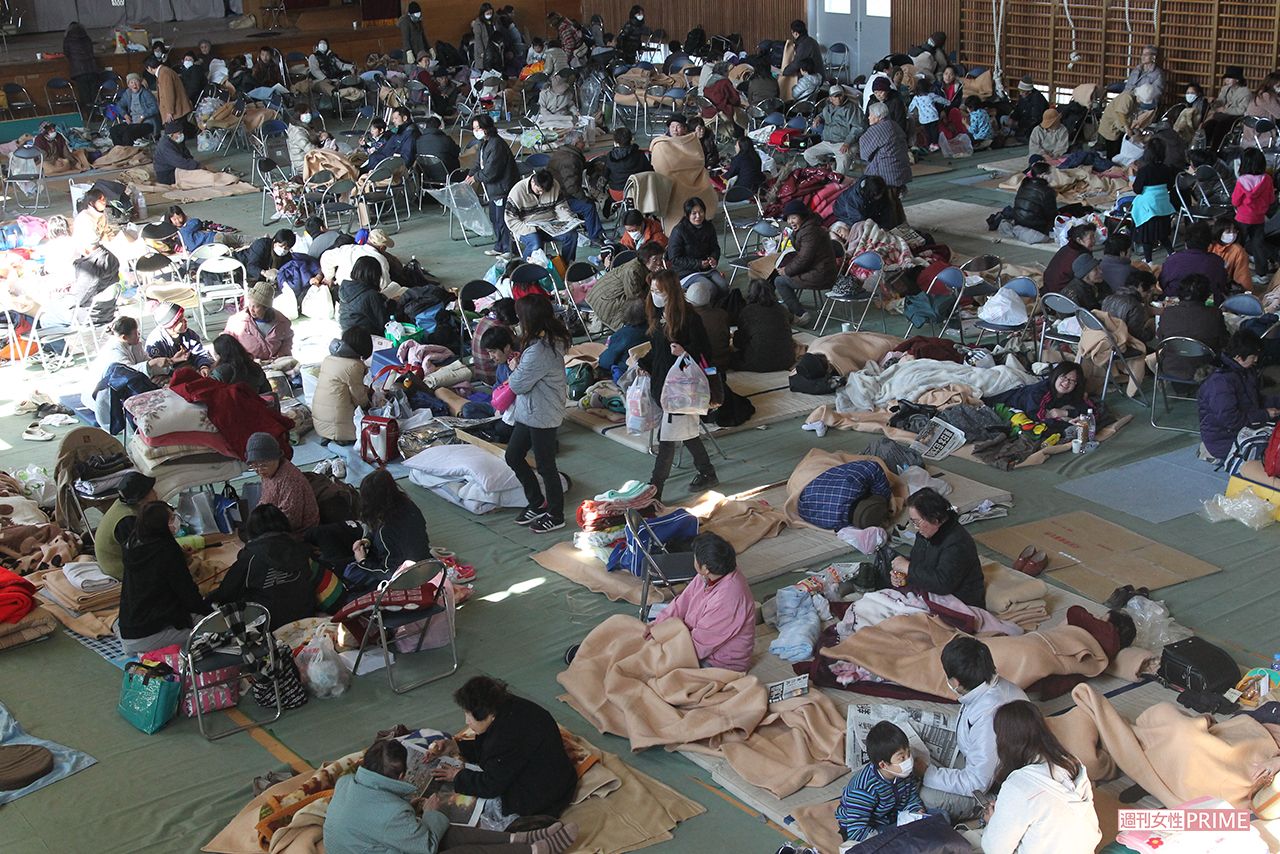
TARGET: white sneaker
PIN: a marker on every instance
(140, 143)
(338, 468)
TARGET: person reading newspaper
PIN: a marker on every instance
(537, 212)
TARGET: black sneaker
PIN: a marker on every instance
(527, 515)
(571, 653)
(544, 524)
(704, 480)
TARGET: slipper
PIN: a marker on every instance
(44, 409)
(59, 419)
(33, 403)
(36, 433)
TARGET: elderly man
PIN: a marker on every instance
(139, 111)
(883, 147)
(567, 164)
(264, 332)
(1147, 73)
(841, 123)
(173, 339)
(533, 203)
(610, 294)
(172, 154)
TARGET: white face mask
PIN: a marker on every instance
(640, 18)
(53, 134)
(488, 16)
(905, 767)
(659, 300)
(280, 252)
(1228, 237)
(306, 118)
(174, 525)
(417, 16)
(635, 235)
(323, 47)
(478, 134)
(954, 689)
(1191, 97)
(188, 63)
(180, 138)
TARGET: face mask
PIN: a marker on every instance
(635, 235)
(306, 118)
(954, 689)
(173, 525)
(417, 16)
(1191, 98)
(478, 134)
(1228, 238)
(659, 300)
(905, 767)
(323, 47)
(188, 63)
(159, 54)
(640, 18)
(488, 16)
(180, 138)
(280, 252)
(53, 134)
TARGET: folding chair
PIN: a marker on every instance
(1196, 353)
(26, 175)
(380, 190)
(466, 211)
(153, 271)
(740, 199)
(838, 61)
(331, 202)
(1055, 307)
(984, 267)
(663, 569)
(313, 190)
(385, 619)
(1090, 321)
(431, 174)
(270, 172)
(51, 344)
(468, 294)
(108, 89)
(638, 105)
(19, 100)
(198, 661)
(1024, 288)
(1194, 202)
(761, 230)
(219, 286)
(59, 94)
(953, 280)
(831, 299)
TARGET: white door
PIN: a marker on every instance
(873, 33)
(837, 23)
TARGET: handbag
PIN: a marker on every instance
(228, 510)
(503, 397)
(149, 695)
(1195, 664)
(285, 672)
(379, 439)
(686, 390)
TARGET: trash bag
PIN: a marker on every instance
(323, 673)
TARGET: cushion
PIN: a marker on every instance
(23, 764)
(163, 412)
(412, 599)
(16, 510)
(466, 462)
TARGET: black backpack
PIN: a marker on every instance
(1195, 664)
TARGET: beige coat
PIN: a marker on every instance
(339, 391)
(170, 95)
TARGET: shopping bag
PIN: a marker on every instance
(149, 695)
(228, 511)
(214, 689)
(323, 673)
(686, 390)
(195, 509)
(643, 414)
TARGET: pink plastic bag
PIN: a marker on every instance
(211, 699)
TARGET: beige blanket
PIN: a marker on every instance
(318, 159)
(1174, 756)
(1095, 351)
(743, 523)
(847, 352)
(653, 693)
(1076, 185)
(816, 462)
(123, 157)
(190, 185)
(905, 650)
(681, 160)
(35, 625)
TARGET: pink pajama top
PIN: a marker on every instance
(721, 618)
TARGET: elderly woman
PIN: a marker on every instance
(716, 607)
(1265, 104)
(944, 558)
(139, 112)
(59, 157)
(557, 100)
(1232, 102)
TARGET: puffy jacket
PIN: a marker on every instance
(361, 307)
(275, 342)
(1036, 205)
(622, 163)
(496, 168)
(610, 294)
(947, 564)
(78, 48)
(273, 570)
(1230, 398)
(851, 207)
(690, 244)
(814, 263)
(297, 272)
(1043, 809)
(1253, 197)
(1126, 305)
(340, 389)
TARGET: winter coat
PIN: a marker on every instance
(298, 272)
(851, 208)
(716, 323)
(1036, 205)
(157, 591)
(372, 814)
(400, 537)
(275, 342)
(78, 48)
(566, 164)
(1042, 810)
(412, 36)
(610, 294)
(763, 339)
(690, 245)
(883, 147)
(361, 307)
(439, 144)
(273, 570)
(556, 98)
(1115, 271)
(843, 124)
(806, 47)
(622, 163)
(749, 171)
(1191, 320)
(250, 375)
(1253, 197)
(170, 156)
(170, 94)
(339, 390)
(525, 209)
(1230, 398)
(496, 168)
(150, 109)
(813, 264)
(1126, 305)
(540, 385)
(1187, 261)
(1058, 271)
(1082, 293)
(947, 564)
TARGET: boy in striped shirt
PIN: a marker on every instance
(882, 789)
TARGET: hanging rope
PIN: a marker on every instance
(1073, 55)
(1128, 26)
(997, 26)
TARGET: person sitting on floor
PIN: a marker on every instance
(194, 234)
(59, 157)
(1193, 258)
(1060, 397)
(282, 483)
(944, 558)
(1084, 287)
(1116, 263)
(1049, 139)
(854, 494)
(762, 340)
(1045, 800)
(136, 490)
(1231, 397)
(1035, 207)
(235, 365)
(340, 387)
(124, 347)
(638, 229)
(885, 787)
(610, 294)
(701, 295)
(173, 339)
(264, 332)
(1131, 303)
(1080, 241)
(273, 569)
(716, 607)
(501, 314)
(374, 809)
(633, 331)
(518, 748)
(1226, 245)
(172, 154)
(971, 676)
(397, 530)
(159, 602)
(360, 302)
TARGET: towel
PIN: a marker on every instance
(16, 596)
(798, 625)
(88, 577)
(62, 592)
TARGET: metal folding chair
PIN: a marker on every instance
(1056, 307)
(331, 202)
(26, 176)
(953, 280)
(380, 190)
(1091, 322)
(663, 569)
(216, 282)
(384, 621)
(60, 95)
(1024, 288)
(197, 666)
(1197, 354)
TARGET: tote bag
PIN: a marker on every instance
(686, 390)
(149, 695)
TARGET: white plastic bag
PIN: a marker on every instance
(37, 484)
(195, 509)
(1155, 628)
(686, 390)
(1247, 507)
(318, 303)
(323, 673)
(1004, 307)
(642, 413)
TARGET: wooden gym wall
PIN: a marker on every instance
(754, 19)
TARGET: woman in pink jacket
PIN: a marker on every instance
(263, 331)
(1253, 196)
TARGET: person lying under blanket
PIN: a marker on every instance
(855, 494)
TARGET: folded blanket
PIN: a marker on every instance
(798, 625)
(16, 597)
(63, 592)
(36, 624)
(874, 387)
(1009, 590)
(88, 577)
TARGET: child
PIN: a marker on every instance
(1252, 198)
(979, 121)
(925, 106)
(639, 229)
(635, 330)
(537, 52)
(882, 789)
(1226, 245)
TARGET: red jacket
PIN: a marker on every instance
(1253, 197)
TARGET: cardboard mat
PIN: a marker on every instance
(1094, 556)
(1007, 167)
(963, 219)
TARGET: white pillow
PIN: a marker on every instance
(466, 462)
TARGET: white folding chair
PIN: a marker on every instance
(216, 282)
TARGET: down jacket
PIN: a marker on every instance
(1230, 398)
(339, 390)
(1036, 205)
(853, 207)
(622, 163)
(813, 265)
(691, 244)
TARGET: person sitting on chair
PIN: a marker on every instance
(534, 201)
(438, 144)
(813, 264)
(716, 607)
(139, 111)
(568, 164)
(174, 339)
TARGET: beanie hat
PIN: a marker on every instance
(1025, 84)
(261, 447)
(795, 207)
(1083, 265)
(812, 366)
(263, 293)
(135, 486)
(701, 292)
(870, 512)
(167, 314)
(881, 84)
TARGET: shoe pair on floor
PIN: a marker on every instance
(539, 521)
(1032, 561)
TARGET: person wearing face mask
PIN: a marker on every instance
(413, 36)
(323, 67)
(59, 157)
(632, 36)
(1191, 116)
(486, 42)
(639, 230)
(1227, 246)
(159, 601)
(266, 253)
(614, 290)
(885, 787)
(497, 174)
(971, 676)
(300, 138)
(172, 154)
(194, 76)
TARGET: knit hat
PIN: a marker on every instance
(261, 447)
(1083, 265)
(870, 512)
(263, 293)
(881, 84)
(795, 207)
(1051, 118)
(175, 126)
(379, 239)
(836, 90)
(701, 292)
(1025, 84)
(167, 314)
(135, 486)
(1235, 72)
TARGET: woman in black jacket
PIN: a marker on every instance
(624, 160)
(746, 166)
(235, 365)
(1036, 204)
(763, 340)
(361, 304)
(273, 569)
(159, 602)
(397, 529)
(78, 48)
(517, 746)
(674, 331)
(694, 245)
(497, 172)
(944, 559)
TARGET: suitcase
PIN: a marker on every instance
(379, 440)
(1195, 664)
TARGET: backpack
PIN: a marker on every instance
(448, 56)
(338, 501)
(1195, 664)
(579, 378)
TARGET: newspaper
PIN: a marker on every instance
(938, 440)
(459, 809)
(796, 686)
(929, 732)
(555, 228)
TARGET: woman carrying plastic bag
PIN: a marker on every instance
(678, 349)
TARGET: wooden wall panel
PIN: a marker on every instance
(913, 22)
(754, 19)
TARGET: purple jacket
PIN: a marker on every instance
(1183, 263)
(1229, 399)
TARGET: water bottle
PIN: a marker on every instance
(1093, 426)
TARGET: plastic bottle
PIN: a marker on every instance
(1093, 426)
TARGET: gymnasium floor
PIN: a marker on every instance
(173, 791)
